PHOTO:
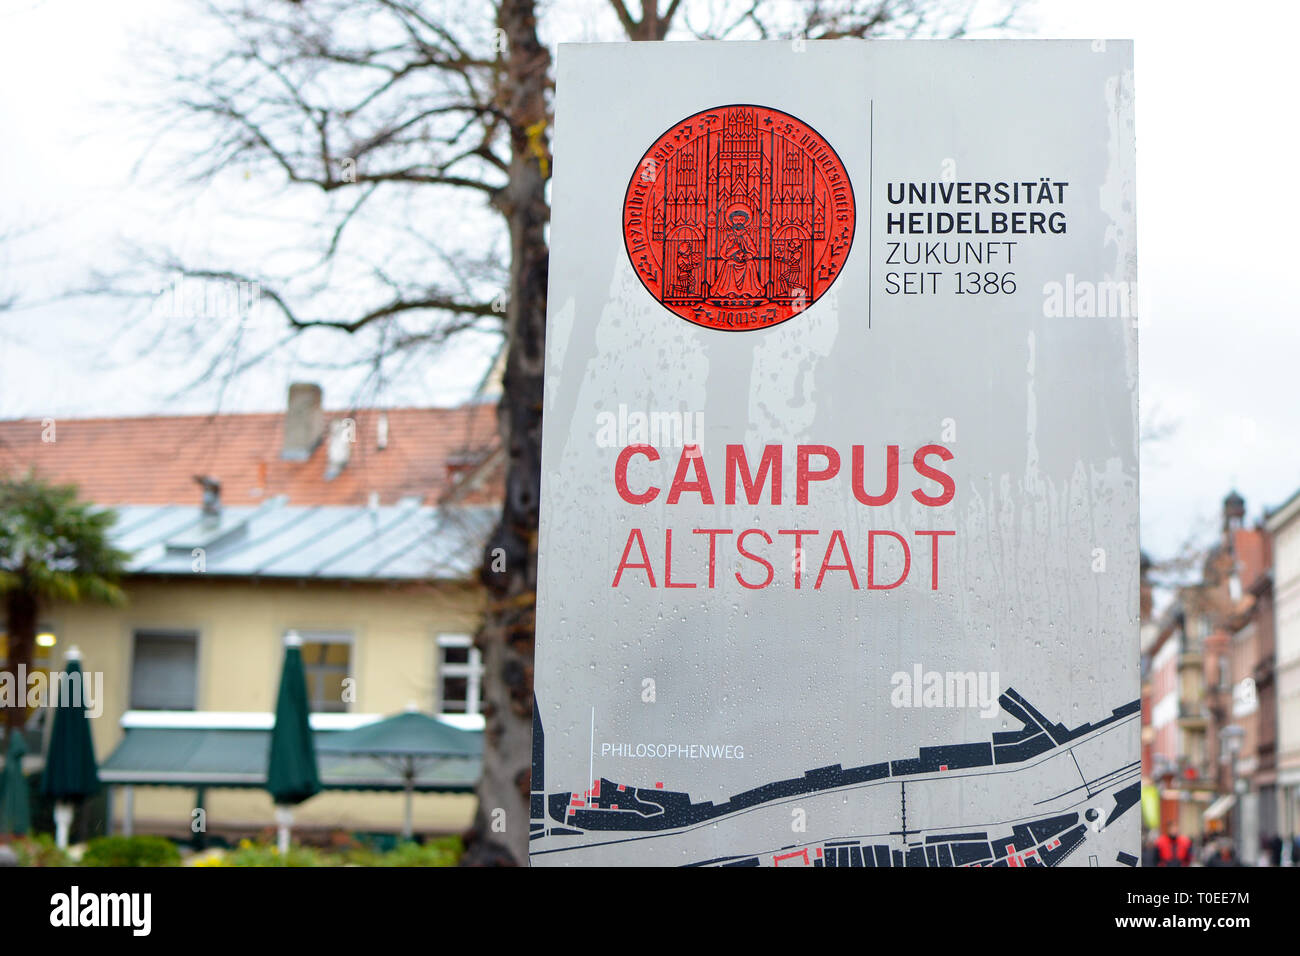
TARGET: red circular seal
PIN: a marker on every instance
(738, 218)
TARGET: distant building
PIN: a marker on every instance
(1178, 757)
(1210, 628)
(1284, 523)
(1242, 704)
(1148, 631)
(361, 531)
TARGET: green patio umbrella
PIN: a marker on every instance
(15, 810)
(291, 774)
(406, 741)
(71, 774)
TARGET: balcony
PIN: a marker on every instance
(1184, 774)
(1192, 715)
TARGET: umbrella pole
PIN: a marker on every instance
(62, 824)
(408, 823)
(283, 821)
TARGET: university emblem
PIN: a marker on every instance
(738, 218)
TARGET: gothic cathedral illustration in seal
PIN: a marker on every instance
(738, 218)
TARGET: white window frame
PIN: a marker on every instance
(472, 671)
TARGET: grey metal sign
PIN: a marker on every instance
(839, 557)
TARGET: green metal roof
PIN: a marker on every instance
(200, 757)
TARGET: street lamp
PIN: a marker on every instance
(1230, 738)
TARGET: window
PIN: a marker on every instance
(43, 661)
(327, 663)
(42, 651)
(460, 674)
(164, 670)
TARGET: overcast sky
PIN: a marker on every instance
(1217, 212)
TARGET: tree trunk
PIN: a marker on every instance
(499, 835)
(21, 609)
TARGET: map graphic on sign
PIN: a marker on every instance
(859, 586)
(1056, 802)
(739, 217)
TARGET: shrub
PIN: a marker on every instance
(39, 850)
(131, 851)
(444, 851)
(249, 853)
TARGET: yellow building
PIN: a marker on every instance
(302, 522)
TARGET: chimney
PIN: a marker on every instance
(211, 495)
(338, 450)
(304, 422)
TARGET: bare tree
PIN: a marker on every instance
(9, 298)
(420, 138)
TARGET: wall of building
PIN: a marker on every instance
(245, 811)
(1286, 589)
(240, 626)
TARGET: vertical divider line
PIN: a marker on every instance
(871, 174)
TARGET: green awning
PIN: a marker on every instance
(199, 757)
(408, 734)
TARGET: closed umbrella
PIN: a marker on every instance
(291, 774)
(71, 774)
(15, 811)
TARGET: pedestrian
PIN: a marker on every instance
(1173, 848)
(1275, 850)
(1149, 857)
(1224, 855)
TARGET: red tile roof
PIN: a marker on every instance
(153, 459)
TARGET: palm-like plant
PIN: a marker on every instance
(53, 547)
